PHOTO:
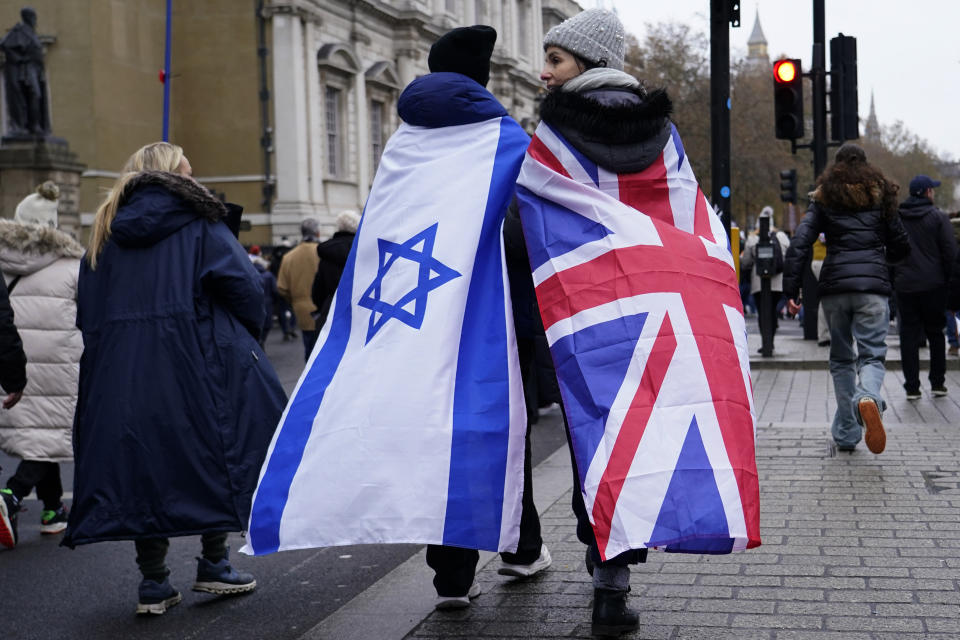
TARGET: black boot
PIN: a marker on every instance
(611, 617)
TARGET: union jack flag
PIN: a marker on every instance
(638, 293)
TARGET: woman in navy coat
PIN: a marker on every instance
(177, 402)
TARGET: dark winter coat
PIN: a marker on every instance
(333, 257)
(932, 247)
(853, 207)
(270, 294)
(13, 362)
(177, 402)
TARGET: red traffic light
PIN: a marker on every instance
(785, 71)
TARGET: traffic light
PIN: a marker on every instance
(788, 99)
(788, 185)
(844, 119)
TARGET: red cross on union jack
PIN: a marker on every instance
(639, 297)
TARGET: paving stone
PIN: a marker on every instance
(855, 547)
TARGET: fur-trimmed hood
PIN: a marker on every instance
(853, 187)
(621, 129)
(27, 248)
(155, 204)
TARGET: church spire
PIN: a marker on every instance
(757, 44)
(872, 128)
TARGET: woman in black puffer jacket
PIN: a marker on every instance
(856, 207)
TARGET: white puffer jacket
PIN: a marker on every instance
(44, 302)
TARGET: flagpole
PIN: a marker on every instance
(166, 78)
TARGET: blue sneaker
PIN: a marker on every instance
(221, 578)
(9, 505)
(157, 597)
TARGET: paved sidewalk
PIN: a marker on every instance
(791, 352)
(855, 546)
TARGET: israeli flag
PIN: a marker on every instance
(408, 423)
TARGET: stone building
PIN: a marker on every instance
(283, 106)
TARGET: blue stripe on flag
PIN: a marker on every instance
(591, 366)
(552, 230)
(274, 489)
(692, 493)
(588, 165)
(678, 144)
(481, 400)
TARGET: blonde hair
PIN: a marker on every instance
(156, 156)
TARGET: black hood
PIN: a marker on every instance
(916, 207)
(623, 130)
(337, 248)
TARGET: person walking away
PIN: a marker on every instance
(283, 310)
(40, 265)
(466, 52)
(606, 116)
(855, 206)
(177, 402)
(748, 258)
(13, 379)
(295, 282)
(921, 285)
(333, 257)
(269, 283)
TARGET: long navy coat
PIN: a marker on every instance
(177, 402)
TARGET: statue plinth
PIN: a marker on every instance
(26, 162)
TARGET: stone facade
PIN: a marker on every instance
(338, 69)
(282, 106)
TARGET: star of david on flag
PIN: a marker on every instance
(639, 299)
(390, 253)
(408, 422)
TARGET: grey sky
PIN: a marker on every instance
(908, 52)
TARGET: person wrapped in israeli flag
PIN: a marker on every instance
(408, 423)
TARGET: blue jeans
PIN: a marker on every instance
(864, 318)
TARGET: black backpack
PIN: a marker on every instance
(777, 253)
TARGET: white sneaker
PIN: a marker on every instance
(527, 570)
(458, 602)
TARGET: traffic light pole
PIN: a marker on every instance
(723, 14)
(818, 72)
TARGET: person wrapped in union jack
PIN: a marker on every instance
(641, 308)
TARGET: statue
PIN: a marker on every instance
(24, 80)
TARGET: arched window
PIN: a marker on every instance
(383, 86)
(337, 65)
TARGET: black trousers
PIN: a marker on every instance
(922, 314)
(45, 476)
(152, 553)
(774, 301)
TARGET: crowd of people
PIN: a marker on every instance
(162, 394)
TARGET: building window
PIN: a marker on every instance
(376, 132)
(451, 7)
(333, 111)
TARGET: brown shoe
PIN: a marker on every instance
(876, 437)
